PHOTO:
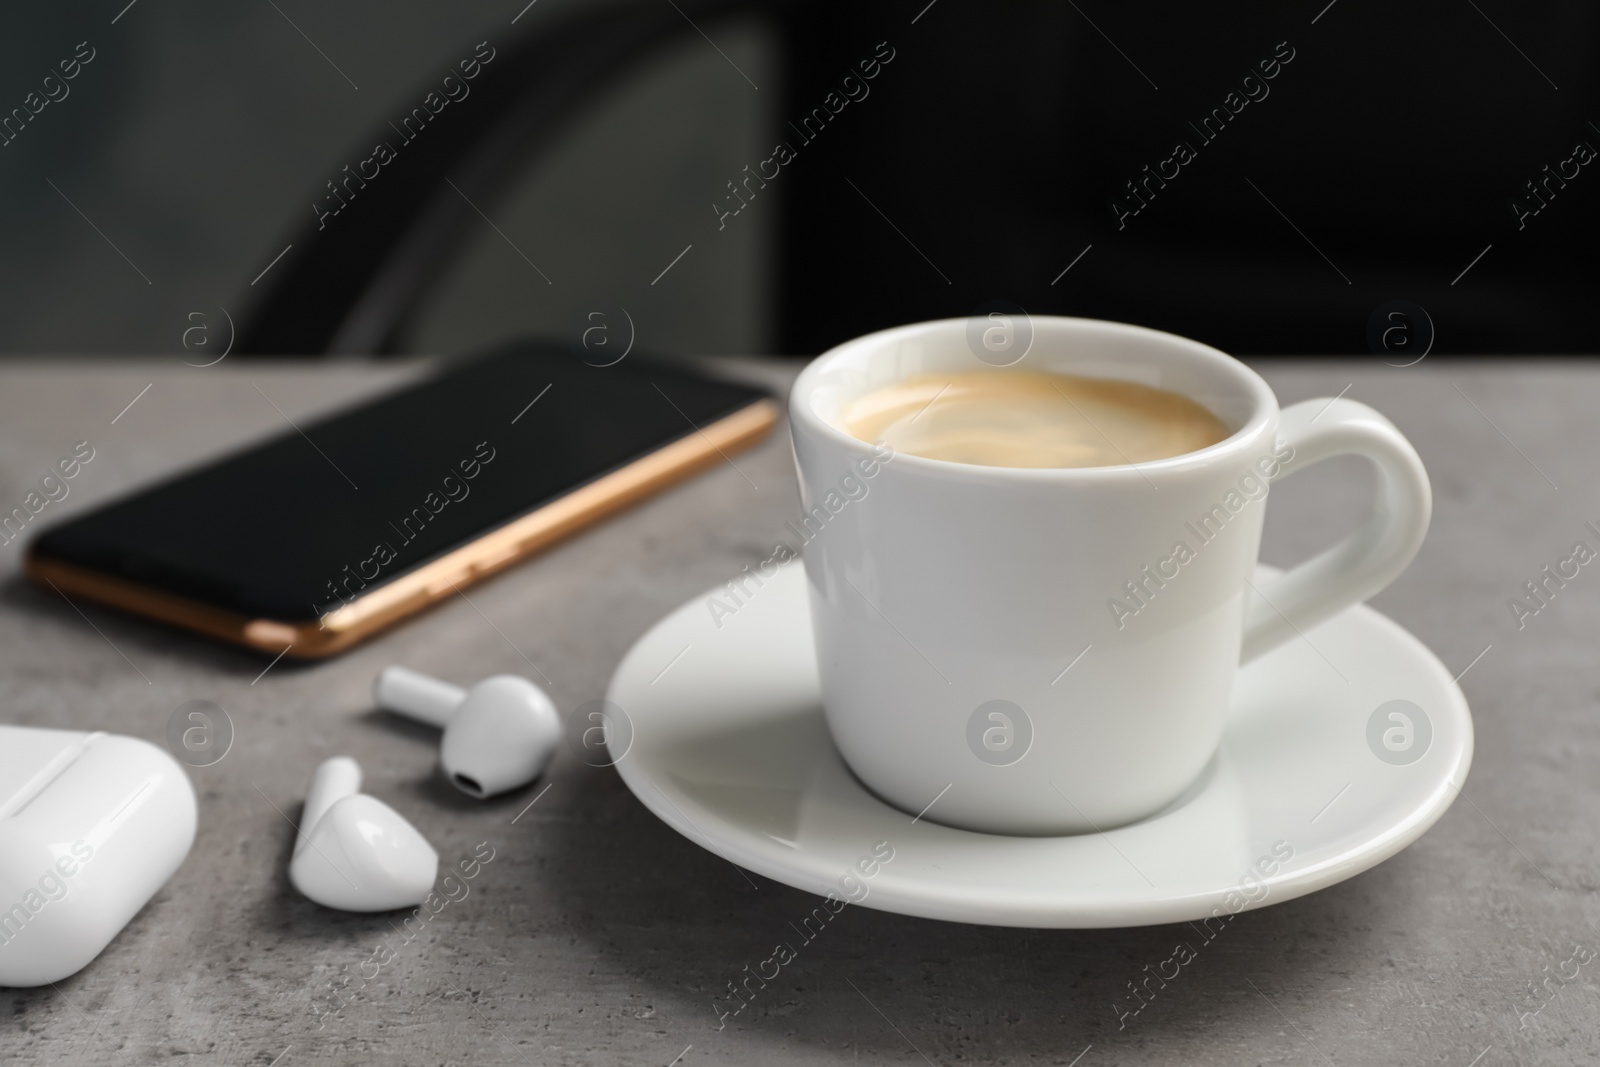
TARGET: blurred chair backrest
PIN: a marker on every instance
(1258, 178)
(352, 281)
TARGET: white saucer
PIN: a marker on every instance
(728, 746)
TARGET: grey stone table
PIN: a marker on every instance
(596, 935)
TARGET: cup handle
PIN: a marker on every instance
(1368, 559)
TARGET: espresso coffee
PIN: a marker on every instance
(1031, 419)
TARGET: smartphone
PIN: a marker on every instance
(326, 534)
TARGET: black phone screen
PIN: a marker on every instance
(278, 530)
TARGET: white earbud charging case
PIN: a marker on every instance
(91, 826)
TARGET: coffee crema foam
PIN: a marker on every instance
(1031, 419)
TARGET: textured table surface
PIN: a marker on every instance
(596, 935)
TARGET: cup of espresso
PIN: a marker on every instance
(1032, 585)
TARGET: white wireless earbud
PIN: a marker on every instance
(498, 735)
(354, 852)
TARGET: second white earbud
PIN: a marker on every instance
(498, 735)
(354, 852)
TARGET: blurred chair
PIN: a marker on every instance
(1015, 152)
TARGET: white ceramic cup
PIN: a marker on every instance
(1030, 651)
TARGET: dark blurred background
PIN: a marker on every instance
(941, 159)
